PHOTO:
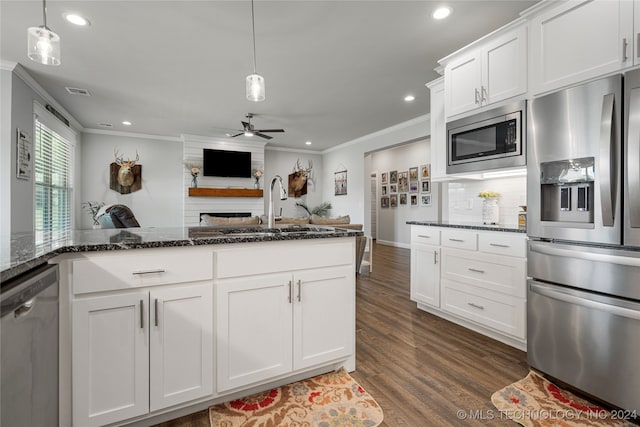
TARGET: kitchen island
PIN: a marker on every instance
(157, 323)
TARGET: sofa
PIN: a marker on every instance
(342, 222)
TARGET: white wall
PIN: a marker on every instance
(351, 155)
(6, 171)
(281, 162)
(392, 227)
(159, 202)
(462, 204)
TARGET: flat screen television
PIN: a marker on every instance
(230, 164)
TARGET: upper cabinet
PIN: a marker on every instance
(491, 70)
(579, 40)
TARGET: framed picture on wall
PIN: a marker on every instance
(340, 180)
(383, 177)
(24, 157)
(403, 198)
(383, 190)
(393, 200)
(393, 177)
(413, 187)
(425, 200)
(425, 171)
(414, 199)
(403, 182)
(393, 188)
(413, 174)
(426, 186)
(384, 202)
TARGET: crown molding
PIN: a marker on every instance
(385, 131)
(131, 134)
(24, 75)
(7, 65)
(293, 150)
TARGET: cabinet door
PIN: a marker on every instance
(438, 131)
(425, 274)
(579, 40)
(253, 329)
(110, 358)
(504, 70)
(462, 82)
(181, 344)
(324, 316)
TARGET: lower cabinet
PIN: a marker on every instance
(139, 351)
(273, 324)
(425, 274)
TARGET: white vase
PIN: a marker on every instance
(490, 210)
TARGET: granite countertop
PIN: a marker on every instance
(25, 255)
(471, 226)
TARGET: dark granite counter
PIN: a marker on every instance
(471, 226)
(24, 254)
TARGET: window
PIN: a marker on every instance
(53, 181)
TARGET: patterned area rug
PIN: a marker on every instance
(328, 400)
(535, 402)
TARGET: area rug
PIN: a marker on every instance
(328, 400)
(535, 402)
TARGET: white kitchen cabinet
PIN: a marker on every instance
(492, 71)
(578, 40)
(273, 324)
(425, 274)
(110, 358)
(438, 131)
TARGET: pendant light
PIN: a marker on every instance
(255, 82)
(43, 45)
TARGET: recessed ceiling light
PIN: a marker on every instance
(76, 19)
(126, 123)
(441, 12)
(409, 98)
(308, 143)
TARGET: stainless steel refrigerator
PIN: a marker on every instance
(583, 197)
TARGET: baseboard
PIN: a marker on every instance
(394, 244)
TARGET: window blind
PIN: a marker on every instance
(53, 184)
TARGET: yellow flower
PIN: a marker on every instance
(488, 194)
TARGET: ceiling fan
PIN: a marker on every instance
(249, 130)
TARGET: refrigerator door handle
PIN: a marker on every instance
(544, 249)
(607, 172)
(549, 292)
(633, 158)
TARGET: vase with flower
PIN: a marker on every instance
(490, 208)
(257, 174)
(195, 171)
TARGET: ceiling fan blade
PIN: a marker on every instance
(262, 135)
(237, 134)
(269, 130)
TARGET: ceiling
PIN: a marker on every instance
(334, 70)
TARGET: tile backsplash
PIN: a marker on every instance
(461, 202)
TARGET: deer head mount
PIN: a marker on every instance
(299, 178)
(126, 175)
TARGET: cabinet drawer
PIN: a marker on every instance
(461, 239)
(506, 275)
(141, 267)
(503, 313)
(425, 235)
(503, 244)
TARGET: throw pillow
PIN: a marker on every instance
(214, 220)
(319, 220)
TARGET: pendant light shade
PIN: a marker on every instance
(255, 87)
(255, 82)
(43, 45)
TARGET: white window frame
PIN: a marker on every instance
(68, 133)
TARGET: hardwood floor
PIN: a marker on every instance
(420, 368)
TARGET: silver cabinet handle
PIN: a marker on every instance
(483, 92)
(498, 245)
(479, 307)
(632, 159)
(290, 290)
(141, 314)
(607, 166)
(155, 304)
(424, 235)
(476, 270)
(624, 50)
(299, 290)
(435, 257)
(156, 271)
(477, 96)
(457, 240)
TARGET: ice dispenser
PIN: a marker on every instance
(566, 190)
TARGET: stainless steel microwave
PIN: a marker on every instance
(492, 139)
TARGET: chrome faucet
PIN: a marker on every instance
(283, 196)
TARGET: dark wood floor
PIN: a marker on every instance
(421, 369)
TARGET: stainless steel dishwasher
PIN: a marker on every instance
(29, 349)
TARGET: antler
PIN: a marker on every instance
(118, 157)
(305, 171)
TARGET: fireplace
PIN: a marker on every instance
(226, 214)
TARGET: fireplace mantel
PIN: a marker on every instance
(224, 192)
